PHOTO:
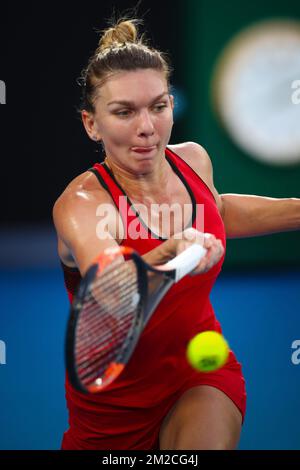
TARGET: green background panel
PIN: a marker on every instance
(208, 28)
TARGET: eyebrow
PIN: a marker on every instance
(131, 103)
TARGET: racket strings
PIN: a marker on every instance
(107, 317)
(95, 326)
(109, 302)
(98, 356)
(94, 308)
(112, 336)
(106, 302)
(104, 331)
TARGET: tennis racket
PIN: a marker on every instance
(114, 302)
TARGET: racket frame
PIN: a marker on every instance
(170, 274)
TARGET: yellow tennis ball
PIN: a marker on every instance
(207, 351)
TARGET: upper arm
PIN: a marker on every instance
(85, 226)
(198, 159)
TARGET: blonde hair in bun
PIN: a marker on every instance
(123, 32)
(120, 48)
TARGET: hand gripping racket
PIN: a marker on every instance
(114, 302)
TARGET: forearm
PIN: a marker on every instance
(162, 253)
(247, 215)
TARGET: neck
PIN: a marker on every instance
(139, 186)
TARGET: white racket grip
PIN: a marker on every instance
(186, 261)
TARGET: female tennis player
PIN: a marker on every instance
(158, 401)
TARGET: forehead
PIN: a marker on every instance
(137, 86)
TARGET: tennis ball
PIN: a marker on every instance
(207, 351)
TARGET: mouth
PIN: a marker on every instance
(143, 150)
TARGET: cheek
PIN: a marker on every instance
(116, 133)
(164, 126)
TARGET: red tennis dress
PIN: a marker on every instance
(129, 412)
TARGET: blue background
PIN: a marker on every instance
(259, 312)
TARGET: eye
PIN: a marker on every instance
(123, 113)
(160, 107)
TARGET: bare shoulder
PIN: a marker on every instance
(198, 159)
(85, 182)
(76, 219)
(80, 194)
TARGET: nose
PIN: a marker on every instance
(145, 125)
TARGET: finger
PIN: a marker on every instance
(212, 257)
(209, 240)
(194, 236)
